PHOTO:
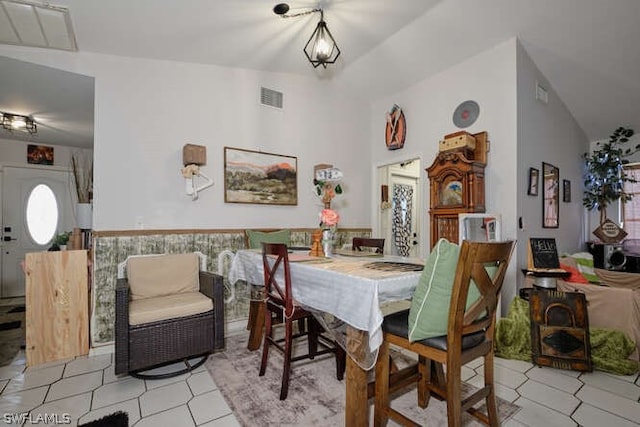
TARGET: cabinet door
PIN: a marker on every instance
(444, 226)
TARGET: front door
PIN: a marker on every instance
(404, 215)
(399, 214)
(36, 205)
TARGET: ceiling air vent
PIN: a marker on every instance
(271, 98)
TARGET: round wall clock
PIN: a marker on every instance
(466, 114)
(396, 129)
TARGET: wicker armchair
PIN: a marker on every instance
(167, 310)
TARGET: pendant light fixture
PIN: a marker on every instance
(321, 49)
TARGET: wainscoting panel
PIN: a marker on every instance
(112, 247)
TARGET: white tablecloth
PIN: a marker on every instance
(341, 287)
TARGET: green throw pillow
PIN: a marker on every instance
(256, 238)
(584, 261)
(429, 312)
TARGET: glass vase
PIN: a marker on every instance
(328, 238)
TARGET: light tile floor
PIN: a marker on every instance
(87, 388)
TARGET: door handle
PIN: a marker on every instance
(8, 238)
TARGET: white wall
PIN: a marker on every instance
(146, 110)
(15, 152)
(488, 78)
(548, 133)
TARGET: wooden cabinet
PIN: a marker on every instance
(456, 180)
(57, 305)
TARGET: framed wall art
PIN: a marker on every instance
(260, 178)
(39, 154)
(566, 191)
(550, 201)
(534, 174)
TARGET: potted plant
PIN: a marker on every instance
(604, 174)
(60, 241)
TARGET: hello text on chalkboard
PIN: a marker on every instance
(543, 253)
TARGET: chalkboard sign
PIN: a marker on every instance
(543, 254)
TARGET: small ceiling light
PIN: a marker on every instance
(18, 122)
(321, 49)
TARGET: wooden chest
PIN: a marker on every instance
(560, 330)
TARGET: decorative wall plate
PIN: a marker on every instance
(396, 129)
(466, 114)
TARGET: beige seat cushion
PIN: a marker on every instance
(168, 307)
(158, 275)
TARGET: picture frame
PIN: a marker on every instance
(39, 154)
(256, 177)
(566, 191)
(551, 196)
(532, 189)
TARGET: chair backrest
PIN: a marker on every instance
(365, 242)
(485, 264)
(160, 275)
(253, 239)
(277, 278)
(122, 266)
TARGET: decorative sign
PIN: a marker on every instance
(542, 254)
(396, 129)
(329, 174)
(609, 232)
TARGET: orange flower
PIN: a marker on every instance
(329, 217)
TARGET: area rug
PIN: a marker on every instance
(315, 398)
(117, 419)
(12, 332)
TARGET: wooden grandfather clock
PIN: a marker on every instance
(456, 180)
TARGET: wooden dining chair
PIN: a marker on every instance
(470, 332)
(279, 302)
(365, 242)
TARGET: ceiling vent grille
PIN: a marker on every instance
(271, 98)
(27, 23)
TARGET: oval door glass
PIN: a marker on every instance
(42, 214)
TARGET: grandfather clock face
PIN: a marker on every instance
(451, 192)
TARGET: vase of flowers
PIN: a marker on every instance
(328, 223)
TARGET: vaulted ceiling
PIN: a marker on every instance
(588, 49)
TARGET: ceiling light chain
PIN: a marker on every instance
(293, 15)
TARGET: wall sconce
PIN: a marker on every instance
(18, 122)
(321, 49)
(194, 156)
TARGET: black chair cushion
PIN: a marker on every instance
(398, 324)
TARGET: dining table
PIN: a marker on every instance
(346, 292)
